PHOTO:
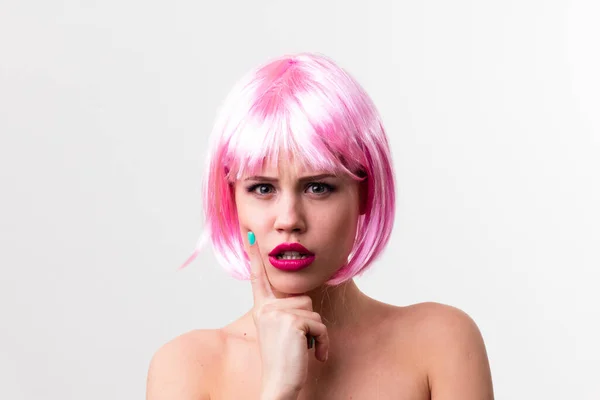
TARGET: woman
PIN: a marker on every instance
(299, 199)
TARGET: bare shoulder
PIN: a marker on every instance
(436, 321)
(183, 367)
(452, 349)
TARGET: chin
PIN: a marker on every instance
(295, 283)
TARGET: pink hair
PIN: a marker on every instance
(302, 104)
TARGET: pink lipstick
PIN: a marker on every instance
(291, 257)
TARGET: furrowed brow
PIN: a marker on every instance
(303, 179)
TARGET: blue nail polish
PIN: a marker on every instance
(251, 238)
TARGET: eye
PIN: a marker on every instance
(260, 189)
(320, 188)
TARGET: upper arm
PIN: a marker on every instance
(181, 369)
(458, 366)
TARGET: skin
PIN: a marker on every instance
(287, 206)
(375, 350)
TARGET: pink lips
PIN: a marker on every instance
(291, 265)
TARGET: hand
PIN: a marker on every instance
(283, 326)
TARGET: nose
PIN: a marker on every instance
(289, 216)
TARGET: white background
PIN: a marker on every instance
(492, 108)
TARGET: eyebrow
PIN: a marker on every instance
(303, 179)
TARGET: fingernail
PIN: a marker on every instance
(251, 238)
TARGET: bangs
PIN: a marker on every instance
(287, 125)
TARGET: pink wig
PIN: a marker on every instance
(306, 106)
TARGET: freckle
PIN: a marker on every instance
(244, 333)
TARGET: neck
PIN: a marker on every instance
(339, 306)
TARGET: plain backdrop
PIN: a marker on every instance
(493, 114)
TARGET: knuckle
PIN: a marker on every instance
(266, 308)
(289, 320)
(276, 315)
(261, 312)
(307, 302)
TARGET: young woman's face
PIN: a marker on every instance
(290, 205)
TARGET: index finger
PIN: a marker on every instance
(261, 287)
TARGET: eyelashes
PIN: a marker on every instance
(321, 188)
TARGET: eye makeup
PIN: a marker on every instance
(328, 188)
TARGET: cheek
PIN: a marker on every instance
(337, 225)
(347, 232)
(251, 219)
